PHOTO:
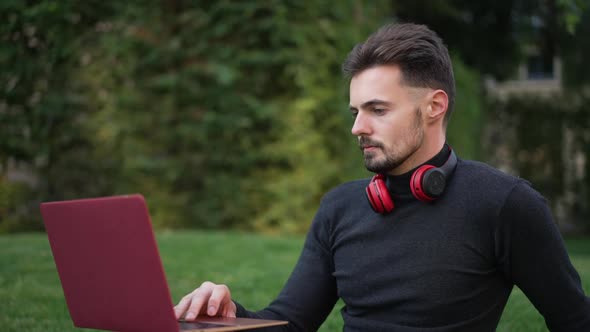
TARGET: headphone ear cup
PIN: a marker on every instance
(434, 182)
(378, 195)
(417, 185)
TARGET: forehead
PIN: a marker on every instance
(389, 76)
(380, 82)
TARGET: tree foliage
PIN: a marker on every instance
(44, 134)
(222, 113)
(195, 105)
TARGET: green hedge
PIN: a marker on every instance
(223, 114)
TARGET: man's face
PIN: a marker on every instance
(387, 119)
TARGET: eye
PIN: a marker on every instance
(379, 111)
(354, 114)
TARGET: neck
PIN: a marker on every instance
(427, 150)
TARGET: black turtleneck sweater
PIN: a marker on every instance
(449, 265)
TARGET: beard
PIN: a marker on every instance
(396, 155)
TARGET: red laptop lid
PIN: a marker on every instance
(108, 262)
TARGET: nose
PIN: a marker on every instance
(361, 125)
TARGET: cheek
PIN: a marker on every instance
(400, 132)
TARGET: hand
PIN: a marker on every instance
(209, 299)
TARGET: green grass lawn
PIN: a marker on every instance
(254, 266)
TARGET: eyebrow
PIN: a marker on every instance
(372, 102)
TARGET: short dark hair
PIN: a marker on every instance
(419, 52)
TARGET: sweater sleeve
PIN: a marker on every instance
(310, 292)
(537, 262)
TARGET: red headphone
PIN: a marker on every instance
(427, 184)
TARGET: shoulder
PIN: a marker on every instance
(481, 186)
(342, 202)
(345, 192)
(485, 177)
(347, 200)
(488, 185)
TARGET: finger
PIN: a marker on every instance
(199, 297)
(219, 297)
(229, 309)
(182, 306)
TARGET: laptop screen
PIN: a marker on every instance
(108, 263)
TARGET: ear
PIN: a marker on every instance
(438, 102)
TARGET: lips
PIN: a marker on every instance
(368, 145)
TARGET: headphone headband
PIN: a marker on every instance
(449, 166)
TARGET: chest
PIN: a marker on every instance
(423, 258)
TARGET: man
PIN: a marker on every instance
(440, 242)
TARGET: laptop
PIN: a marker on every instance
(110, 269)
